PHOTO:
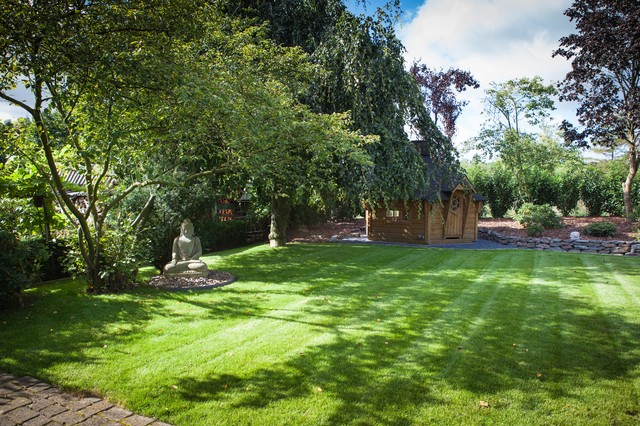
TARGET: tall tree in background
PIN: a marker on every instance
(605, 78)
(515, 109)
(440, 99)
(359, 69)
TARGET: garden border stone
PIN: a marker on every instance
(615, 248)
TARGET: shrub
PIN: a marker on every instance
(601, 188)
(538, 216)
(534, 230)
(601, 229)
(19, 266)
(497, 184)
(567, 187)
(542, 186)
(222, 235)
(53, 267)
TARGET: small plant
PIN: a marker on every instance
(20, 266)
(601, 229)
(534, 230)
(536, 218)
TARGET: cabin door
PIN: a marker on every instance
(454, 226)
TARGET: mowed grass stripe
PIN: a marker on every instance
(332, 334)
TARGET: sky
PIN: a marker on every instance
(496, 40)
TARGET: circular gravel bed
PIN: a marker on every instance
(215, 279)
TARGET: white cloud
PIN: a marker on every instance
(11, 112)
(496, 40)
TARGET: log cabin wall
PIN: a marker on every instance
(422, 222)
(400, 223)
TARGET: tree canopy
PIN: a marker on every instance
(437, 89)
(605, 78)
(517, 130)
(148, 98)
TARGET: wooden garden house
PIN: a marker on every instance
(446, 212)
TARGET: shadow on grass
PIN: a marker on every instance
(402, 328)
(397, 347)
(62, 324)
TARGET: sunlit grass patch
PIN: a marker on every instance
(341, 334)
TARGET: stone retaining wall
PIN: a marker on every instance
(619, 248)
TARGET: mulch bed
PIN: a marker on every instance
(320, 233)
(625, 231)
(215, 279)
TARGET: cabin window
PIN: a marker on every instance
(393, 214)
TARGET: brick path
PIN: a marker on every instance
(26, 401)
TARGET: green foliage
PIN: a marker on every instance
(600, 185)
(567, 190)
(534, 230)
(517, 131)
(496, 183)
(19, 265)
(541, 187)
(287, 342)
(218, 235)
(601, 229)
(535, 218)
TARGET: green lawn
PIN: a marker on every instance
(353, 334)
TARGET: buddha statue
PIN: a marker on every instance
(185, 255)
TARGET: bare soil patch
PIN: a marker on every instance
(319, 233)
(626, 231)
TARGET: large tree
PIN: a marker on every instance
(440, 99)
(159, 93)
(360, 70)
(103, 66)
(605, 78)
(516, 131)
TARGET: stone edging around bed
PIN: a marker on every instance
(619, 248)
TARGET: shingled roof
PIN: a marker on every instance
(443, 180)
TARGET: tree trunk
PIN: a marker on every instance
(280, 209)
(627, 185)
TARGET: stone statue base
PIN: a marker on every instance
(187, 274)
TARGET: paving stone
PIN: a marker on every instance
(4, 377)
(96, 408)
(81, 403)
(137, 420)
(22, 414)
(48, 393)
(62, 398)
(9, 387)
(27, 381)
(99, 420)
(13, 404)
(53, 410)
(20, 394)
(116, 413)
(41, 404)
(68, 418)
(27, 401)
(4, 421)
(39, 387)
(38, 421)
